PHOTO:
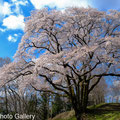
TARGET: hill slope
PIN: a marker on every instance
(110, 111)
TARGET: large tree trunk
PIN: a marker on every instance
(80, 109)
(84, 97)
(80, 114)
(80, 105)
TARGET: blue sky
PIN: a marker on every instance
(13, 13)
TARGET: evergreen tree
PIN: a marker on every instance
(57, 106)
(44, 106)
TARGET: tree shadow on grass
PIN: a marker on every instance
(104, 109)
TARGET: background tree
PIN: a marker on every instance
(4, 61)
(57, 105)
(44, 106)
(114, 91)
(99, 93)
(63, 52)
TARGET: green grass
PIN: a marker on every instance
(103, 111)
(105, 116)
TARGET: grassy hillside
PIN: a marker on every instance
(109, 111)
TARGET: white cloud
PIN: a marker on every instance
(16, 35)
(12, 38)
(20, 2)
(14, 22)
(38, 4)
(17, 4)
(2, 30)
(5, 8)
(7, 11)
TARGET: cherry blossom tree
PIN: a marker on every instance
(62, 52)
